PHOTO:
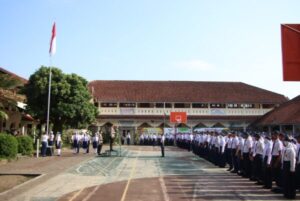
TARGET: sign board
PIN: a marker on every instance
(178, 117)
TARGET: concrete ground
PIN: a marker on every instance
(139, 174)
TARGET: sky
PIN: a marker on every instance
(194, 40)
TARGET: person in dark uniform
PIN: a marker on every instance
(289, 165)
(162, 145)
(100, 143)
(112, 137)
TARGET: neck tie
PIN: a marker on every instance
(273, 147)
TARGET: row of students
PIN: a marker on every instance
(49, 141)
(261, 158)
(153, 140)
(83, 140)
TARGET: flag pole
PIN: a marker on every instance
(49, 95)
(52, 51)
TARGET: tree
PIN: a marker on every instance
(7, 82)
(70, 99)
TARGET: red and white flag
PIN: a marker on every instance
(52, 49)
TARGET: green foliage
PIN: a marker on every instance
(8, 82)
(70, 99)
(8, 146)
(25, 145)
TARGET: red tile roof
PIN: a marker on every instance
(181, 91)
(21, 79)
(286, 114)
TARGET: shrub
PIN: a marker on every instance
(8, 146)
(25, 145)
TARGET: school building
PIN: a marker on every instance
(138, 106)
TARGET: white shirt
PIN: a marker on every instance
(290, 155)
(162, 140)
(44, 138)
(229, 143)
(298, 153)
(95, 138)
(268, 150)
(58, 138)
(235, 142)
(248, 145)
(259, 147)
(191, 137)
(222, 144)
(241, 143)
(51, 137)
(277, 147)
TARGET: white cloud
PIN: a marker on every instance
(194, 65)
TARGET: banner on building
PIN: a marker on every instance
(183, 130)
(152, 131)
(178, 117)
(290, 41)
(169, 131)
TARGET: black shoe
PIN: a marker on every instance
(276, 190)
(259, 183)
(234, 171)
(229, 169)
(252, 179)
(267, 187)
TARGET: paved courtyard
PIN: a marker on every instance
(139, 174)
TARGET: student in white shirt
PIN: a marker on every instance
(289, 166)
(276, 152)
(258, 158)
(248, 143)
(44, 140)
(267, 156)
(58, 143)
(298, 163)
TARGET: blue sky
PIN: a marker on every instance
(193, 40)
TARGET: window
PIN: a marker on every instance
(248, 105)
(200, 105)
(268, 106)
(159, 105)
(217, 105)
(234, 105)
(168, 105)
(146, 105)
(127, 104)
(182, 105)
(108, 104)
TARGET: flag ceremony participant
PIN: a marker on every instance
(95, 142)
(51, 139)
(298, 163)
(100, 143)
(58, 143)
(162, 145)
(85, 142)
(267, 156)
(44, 140)
(289, 165)
(258, 158)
